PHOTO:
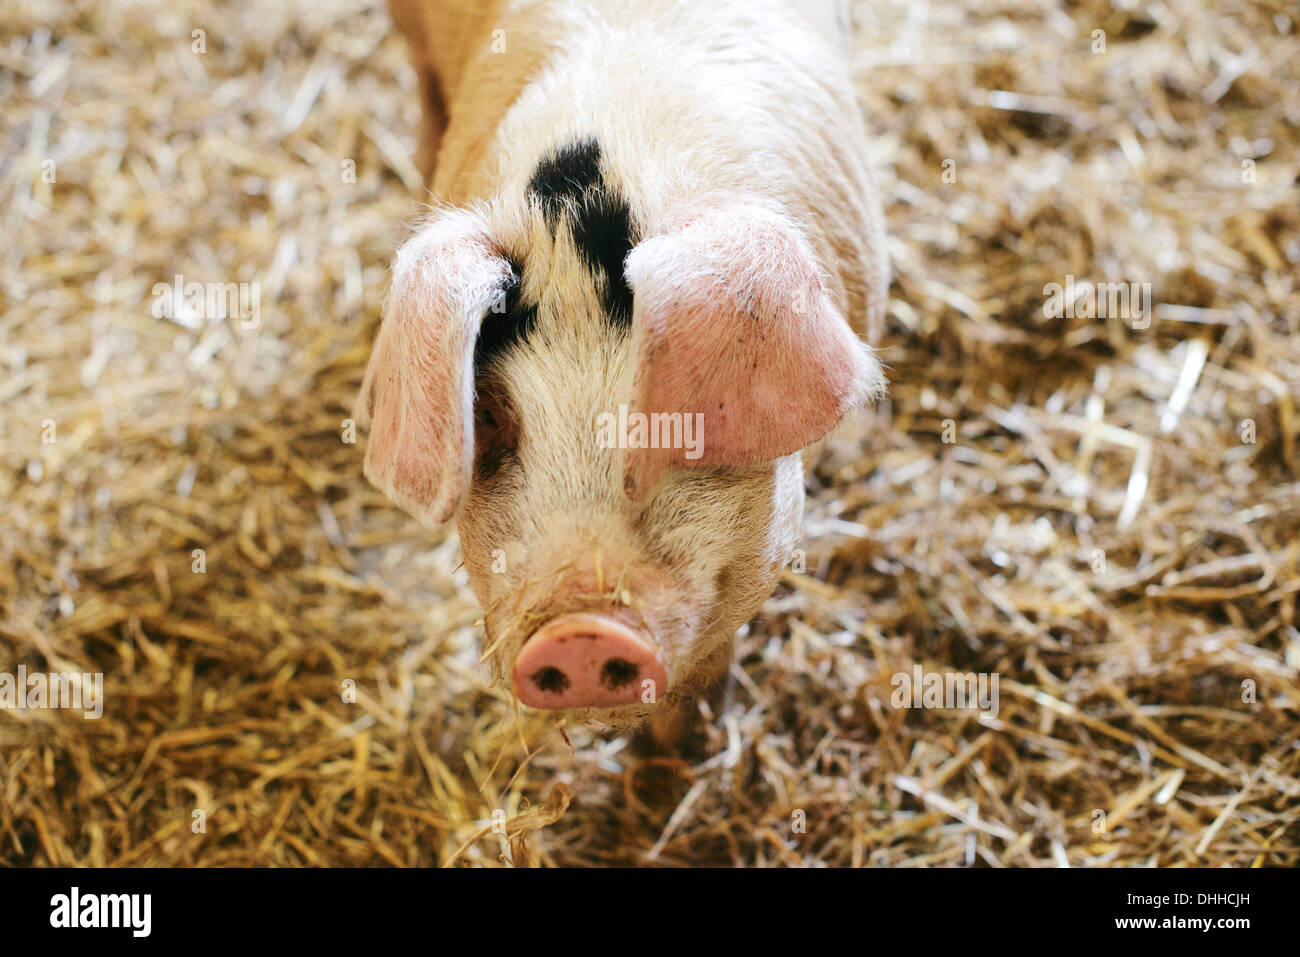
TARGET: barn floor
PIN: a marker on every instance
(1104, 513)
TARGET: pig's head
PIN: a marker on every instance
(612, 404)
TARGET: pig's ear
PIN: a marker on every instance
(418, 390)
(731, 321)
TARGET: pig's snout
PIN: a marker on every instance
(587, 661)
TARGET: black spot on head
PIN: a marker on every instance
(507, 322)
(602, 230)
(565, 175)
(569, 185)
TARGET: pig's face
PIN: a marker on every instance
(548, 529)
(612, 403)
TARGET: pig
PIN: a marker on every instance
(640, 294)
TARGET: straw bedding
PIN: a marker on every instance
(1102, 512)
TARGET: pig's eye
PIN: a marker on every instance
(494, 426)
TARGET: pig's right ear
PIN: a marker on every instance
(418, 390)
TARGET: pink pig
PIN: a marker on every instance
(632, 308)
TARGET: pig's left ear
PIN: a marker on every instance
(419, 386)
(731, 321)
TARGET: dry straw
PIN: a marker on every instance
(1103, 512)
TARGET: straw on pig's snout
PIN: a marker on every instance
(531, 603)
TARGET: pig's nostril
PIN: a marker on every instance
(551, 680)
(617, 672)
(586, 660)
